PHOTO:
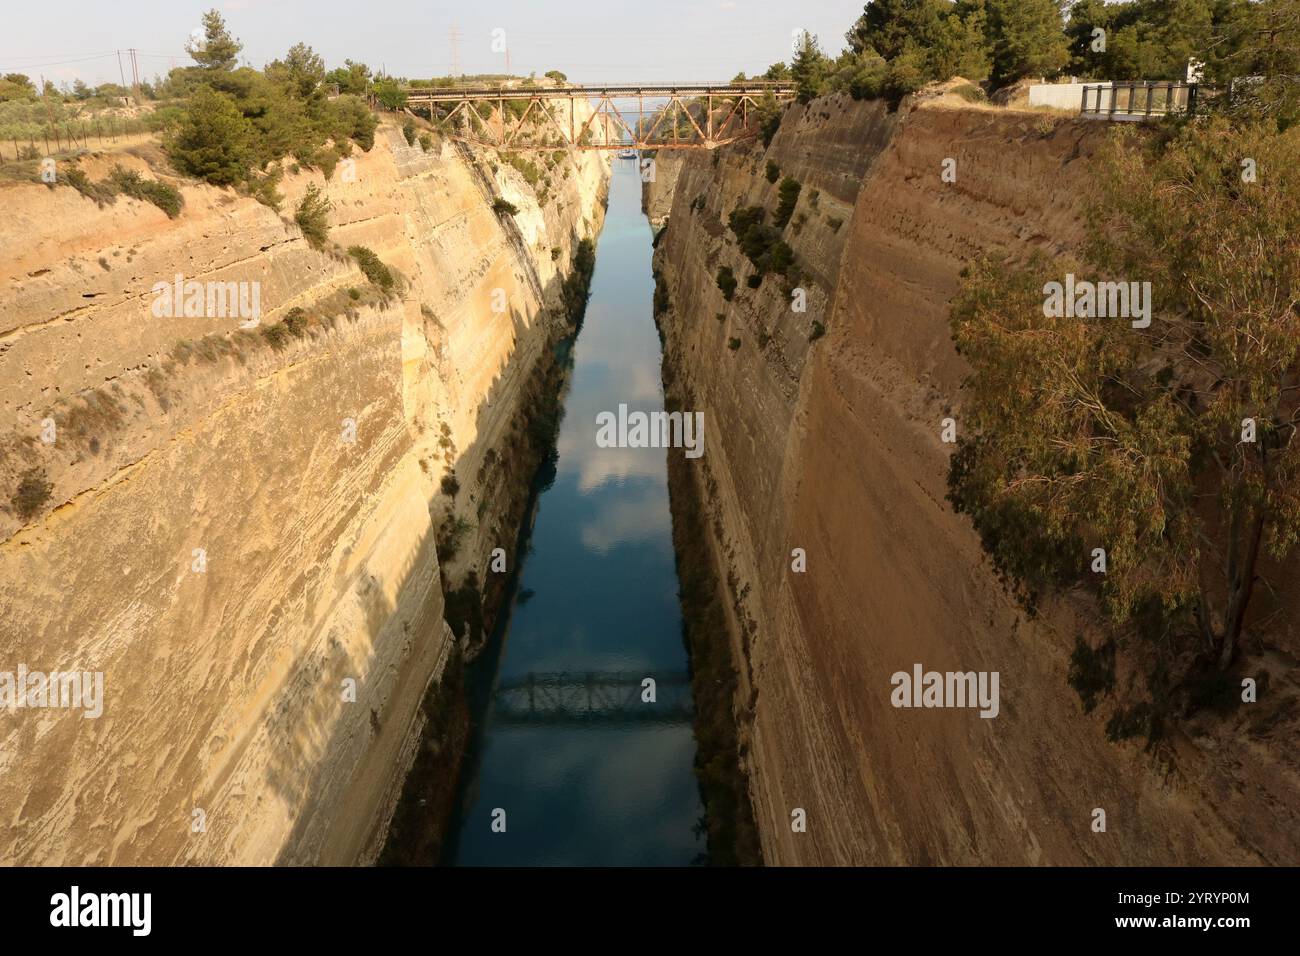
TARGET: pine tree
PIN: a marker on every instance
(1027, 39)
(213, 141)
(809, 69)
(219, 50)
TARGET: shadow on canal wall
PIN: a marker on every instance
(417, 828)
(475, 599)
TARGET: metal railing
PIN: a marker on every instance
(425, 94)
(1137, 100)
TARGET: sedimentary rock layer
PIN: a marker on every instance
(237, 530)
(834, 446)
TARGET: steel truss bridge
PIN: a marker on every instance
(593, 698)
(694, 116)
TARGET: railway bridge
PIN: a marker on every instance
(666, 115)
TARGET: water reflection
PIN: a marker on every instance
(599, 596)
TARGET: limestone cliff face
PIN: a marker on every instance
(239, 529)
(834, 446)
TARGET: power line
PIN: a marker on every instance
(37, 66)
(41, 56)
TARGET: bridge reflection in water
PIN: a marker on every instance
(593, 698)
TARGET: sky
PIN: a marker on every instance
(590, 40)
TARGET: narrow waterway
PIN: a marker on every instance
(569, 759)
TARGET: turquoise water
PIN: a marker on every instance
(586, 772)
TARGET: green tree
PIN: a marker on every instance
(213, 140)
(312, 216)
(1027, 39)
(1085, 433)
(302, 70)
(1262, 62)
(351, 78)
(390, 94)
(218, 50)
(809, 70)
(962, 48)
(16, 86)
(887, 26)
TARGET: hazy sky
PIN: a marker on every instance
(587, 39)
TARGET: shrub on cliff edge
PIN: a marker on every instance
(312, 217)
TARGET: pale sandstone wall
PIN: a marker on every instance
(223, 689)
(835, 448)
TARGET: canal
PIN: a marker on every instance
(570, 762)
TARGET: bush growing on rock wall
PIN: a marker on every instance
(1172, 445)
(761, 243)
(353, 119)
(1092, 672)
(408, 132)
(100, 193)
(504, 207)
(527, 168)
(326, 160)
(463, 610)
(773, 171)
(296, 322)
(31, 494)
(662, 302)
(373, 268)
(788, 192)
(277, 335)
(312, 217)
(451, 533)
(727, 282)
(165, 197)
(263, 189)
(124, 182)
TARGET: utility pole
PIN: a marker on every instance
(135, 75)
(453, 36)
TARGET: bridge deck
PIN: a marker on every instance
(455, 94)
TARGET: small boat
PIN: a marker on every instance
(627, 154)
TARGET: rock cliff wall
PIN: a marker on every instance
(833, 446)
(243, 523)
